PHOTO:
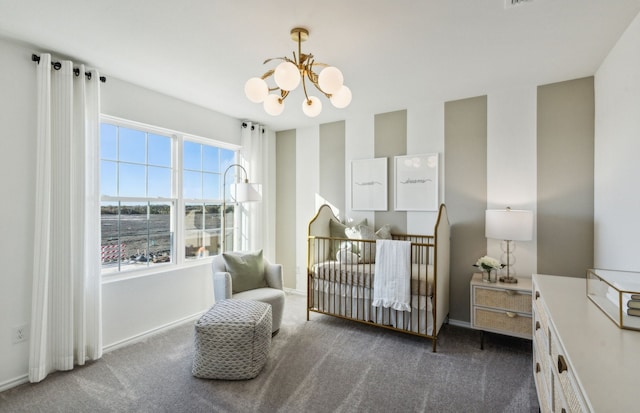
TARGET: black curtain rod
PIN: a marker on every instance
(58, 65)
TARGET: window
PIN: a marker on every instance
(202, 191)
(148, 178)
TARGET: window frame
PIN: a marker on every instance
(176, 199)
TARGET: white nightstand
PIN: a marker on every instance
(501, 307)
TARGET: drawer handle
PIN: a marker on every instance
(537, 294)
(511, 314)
(537, 367)
(537, 325)
(511, 292)
(562, 364)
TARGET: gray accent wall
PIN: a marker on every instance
(286, 205)
(565, 147)
(332, 164)
(465, 153)
(390, 139)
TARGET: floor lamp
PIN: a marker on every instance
(509, 225)
(239, 192)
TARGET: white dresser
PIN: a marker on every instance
(581, 360)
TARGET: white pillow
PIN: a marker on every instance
(367, 250)
(347, 257)
(384, 232)
(360, 232)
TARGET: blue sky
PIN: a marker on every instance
(129, 169)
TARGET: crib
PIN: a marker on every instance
(344, 287)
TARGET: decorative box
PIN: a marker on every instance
(617, 294)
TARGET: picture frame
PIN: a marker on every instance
(416, 182)
(369, 184)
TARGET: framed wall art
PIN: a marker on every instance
(416, 182)
(369, 184)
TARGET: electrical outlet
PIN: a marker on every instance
(20, 334)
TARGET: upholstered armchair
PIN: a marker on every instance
(248, 276)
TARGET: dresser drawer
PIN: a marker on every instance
(516, 323)
(564, 377)
(542, 377)
(511, 300)
(540, 333)
(541, 312)
(541, 355)
(559, 403)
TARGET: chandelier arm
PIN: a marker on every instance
(286, 59)
(267, 74)
(304, 87)
(313, 78)
(315, 83)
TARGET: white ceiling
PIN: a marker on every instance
(393, 53)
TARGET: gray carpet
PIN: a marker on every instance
(324, 365)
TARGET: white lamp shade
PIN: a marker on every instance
(256, 89)
(341, 98)
(273, 105)
(312, 107)
(287, 76)
(330, 80)
(245, 192)
(509, 224)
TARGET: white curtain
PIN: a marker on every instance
(66, 326)
(258, 157)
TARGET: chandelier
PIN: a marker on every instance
(290, 73)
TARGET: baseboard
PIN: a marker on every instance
(6, 385)
(149, 333)
(293, 291)
(458, 323)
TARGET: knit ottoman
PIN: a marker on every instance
(232, 340)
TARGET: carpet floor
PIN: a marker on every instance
(323, 365)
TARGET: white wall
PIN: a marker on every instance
(131, 306)
(511, 167)
(17, 171)
(617, 154)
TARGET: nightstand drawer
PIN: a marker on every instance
(511, 300)
(503, 321)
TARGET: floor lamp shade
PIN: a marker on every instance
(509, 224)
(245, 192)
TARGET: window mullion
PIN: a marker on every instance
(179, 216)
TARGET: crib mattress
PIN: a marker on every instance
(362, 275)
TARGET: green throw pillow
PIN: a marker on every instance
(247, 270)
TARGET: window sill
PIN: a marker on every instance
(113, 277)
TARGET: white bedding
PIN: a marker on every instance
(362, 275)
(346, 290)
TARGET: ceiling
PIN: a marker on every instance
(394, 54)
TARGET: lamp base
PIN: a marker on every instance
(508, 280)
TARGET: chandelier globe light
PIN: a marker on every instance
(290, 73)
